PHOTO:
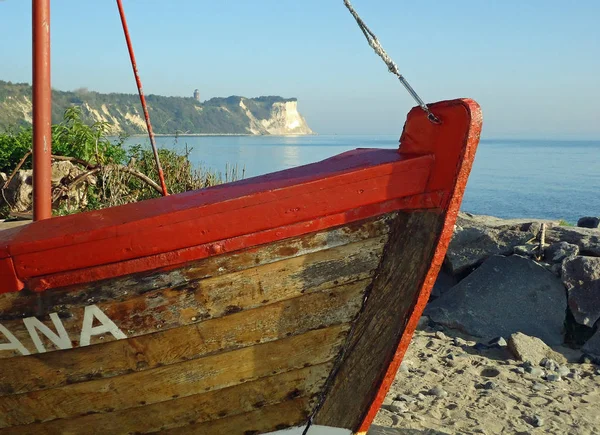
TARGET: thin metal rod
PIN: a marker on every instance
(42, 111)
(138, 82)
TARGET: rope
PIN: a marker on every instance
(392, 67)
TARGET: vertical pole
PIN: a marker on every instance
(42, 112)
(138, 82)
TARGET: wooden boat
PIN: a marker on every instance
(278, 304)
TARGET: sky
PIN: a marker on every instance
(533, 65)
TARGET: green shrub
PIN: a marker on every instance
(121, 175)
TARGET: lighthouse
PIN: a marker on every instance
(197, 95)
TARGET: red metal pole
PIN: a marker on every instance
(42, 112)
(138, 81)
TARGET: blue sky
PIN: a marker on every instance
(533, 65)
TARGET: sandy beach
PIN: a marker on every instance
(448, 384)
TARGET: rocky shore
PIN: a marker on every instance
(510, 341)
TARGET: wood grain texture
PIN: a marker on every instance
(22, 304)
(200, 408)
(201, 299)
(380, 325)
(264, 420)
(260, 325)
(174, 381)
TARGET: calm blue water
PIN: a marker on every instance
(510, 178)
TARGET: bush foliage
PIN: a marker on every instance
(121, 174)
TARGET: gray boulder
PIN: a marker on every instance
(581, 276)
(557, 252)
(588, 222)
(592, 346)
(503, 296)
(443, 283)
(587, 239)
(477, 238)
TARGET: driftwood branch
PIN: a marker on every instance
(137, 174)
(114, 167)
(92, 169)
(81, 162)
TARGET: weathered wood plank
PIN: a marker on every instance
(259, 325)
(214, 297)
(196, 409)
(24, 304)
(178, 380)
(268, 419)
(379, 327)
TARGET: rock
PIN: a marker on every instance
(498, 342)
(503, 296)
(437, 391)
(480, 347)
(581, 276)
(457, 341)
(538, 387)
(490, 372)
(586, 359)
(588, 222)
(489, 385)
(443, 283)
(592, 346)
(440, 335)
(396, 407)
(587, 239)
(536, 372)
(19, 192)
(405, 398)
(537, 421)
(477, 238)
(556, 269)
(552, 377)
(421, 397)
(423, 322)
(563, 371)
(404, 367)
(528, 250)
(532, 349)
(549, 364)
(557, 252)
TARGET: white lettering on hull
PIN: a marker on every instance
(60, 339)
(13, 342)
(106, 325)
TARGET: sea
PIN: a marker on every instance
(544, 179)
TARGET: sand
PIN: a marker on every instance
(486, 392)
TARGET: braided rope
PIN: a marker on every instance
(392, 67)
